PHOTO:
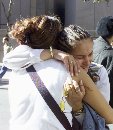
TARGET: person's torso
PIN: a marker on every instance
(7, 48)
(101, 50)
(29, 110)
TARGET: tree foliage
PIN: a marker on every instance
(8, 12)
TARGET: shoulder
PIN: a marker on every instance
(98, 68)
(97, 71)
(99, 39)
(53, 64)
(95, 67)
(93, 71)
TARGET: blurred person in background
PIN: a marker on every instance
(103, 48)
(7, 47)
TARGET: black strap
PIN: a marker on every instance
(48, 98)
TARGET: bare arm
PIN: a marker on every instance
(94, 98)
(69, 61)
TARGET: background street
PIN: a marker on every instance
(4, 104)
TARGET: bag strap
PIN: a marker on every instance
(48, 98)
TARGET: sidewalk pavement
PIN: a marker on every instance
(4, 103)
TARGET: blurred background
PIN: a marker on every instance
(86, 14)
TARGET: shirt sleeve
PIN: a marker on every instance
(35, 55)
(21, 56)
(103, 84)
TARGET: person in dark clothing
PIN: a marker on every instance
(103, 48)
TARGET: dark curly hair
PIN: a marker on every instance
(36, 32)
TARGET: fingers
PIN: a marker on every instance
(66, 63)
(76, 87)
(72, 65)
(82, 87)
(73, 93)
(76, 68)
(71, 87)
(79, 88)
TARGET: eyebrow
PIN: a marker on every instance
(83, 55)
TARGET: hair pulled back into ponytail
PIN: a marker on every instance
(37, 32)
(69, 38)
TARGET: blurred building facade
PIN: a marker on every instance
(70, 11)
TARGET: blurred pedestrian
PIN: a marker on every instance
(103, 50)
(7, 47)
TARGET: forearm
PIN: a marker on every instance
(46, 54)
(95, 99)
(99, 104)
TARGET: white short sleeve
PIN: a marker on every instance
(35, 55)
(103, 84)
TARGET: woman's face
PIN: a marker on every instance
(83, 53)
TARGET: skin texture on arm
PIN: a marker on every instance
(69, 61)
(94, 98)
(45, 55)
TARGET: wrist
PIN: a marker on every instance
(56, 54)
(78, 107)
(78, 112)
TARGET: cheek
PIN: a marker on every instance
(91, 58)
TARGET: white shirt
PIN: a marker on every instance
(103, 84)
(28, 109)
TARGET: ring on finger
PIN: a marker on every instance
(71, 62)
(77, 90)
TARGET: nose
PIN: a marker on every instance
(87, 61)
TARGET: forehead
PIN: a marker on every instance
(83, 47)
